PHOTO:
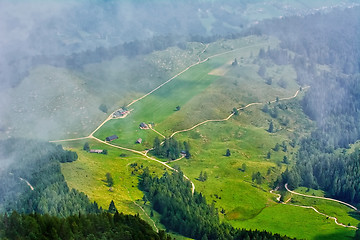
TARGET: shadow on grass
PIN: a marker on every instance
(346, 234)
(355, 215)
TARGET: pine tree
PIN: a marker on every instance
(235, 111)
(86, 147)
(187, 150)
(205, 176)
(201, 177)
(156, 146)
(357, 233)
(228, 153)
(109, 180)
(271, 127)
(277, 147)
(112, 208)
(243, 167)
(235, 62)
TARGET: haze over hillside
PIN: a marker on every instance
(233, 119)
(42, 33)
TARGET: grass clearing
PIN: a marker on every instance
(296, 222)
(87, 174)
(343, 213)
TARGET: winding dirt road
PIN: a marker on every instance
(148, 157)
(310, 207)
(232, 114)
(329, 199)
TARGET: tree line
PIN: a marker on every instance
(80, 226)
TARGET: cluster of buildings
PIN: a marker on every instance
(120, 113)
(114, 137)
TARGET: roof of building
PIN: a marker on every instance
(113, 137)
(96, 150)
(143, 125)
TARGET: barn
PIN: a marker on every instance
(111, 138)
(144, 126)
(96, 151)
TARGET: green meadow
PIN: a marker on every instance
(296, 222)
(344, 214)
(206, 91)
(211, 90)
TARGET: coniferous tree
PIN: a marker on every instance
(235, 62)
(86, 147)
(244, 167)
(357, 233)
(112, 208)
(271, 127)
(235, 111)
(228, 153)
(156, 146)
(277, 147)
(109, 179)
(187, 150)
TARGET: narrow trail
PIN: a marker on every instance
(156, 131)
(311, 207)
(171, 161)
(329, 199)
(68, 140)
(278, 196)
(105, 121)
(172, 78)
(202, 52)
(24, 180)
(142, 209)
(232, 114)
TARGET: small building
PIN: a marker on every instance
(96, 151)
(120, 113)
(139, 141)
(183, 153)
(144, 126)
(111, 138)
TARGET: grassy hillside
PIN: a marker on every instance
(56, 103)
(211, 90)
(296, 222)
(184, 91)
